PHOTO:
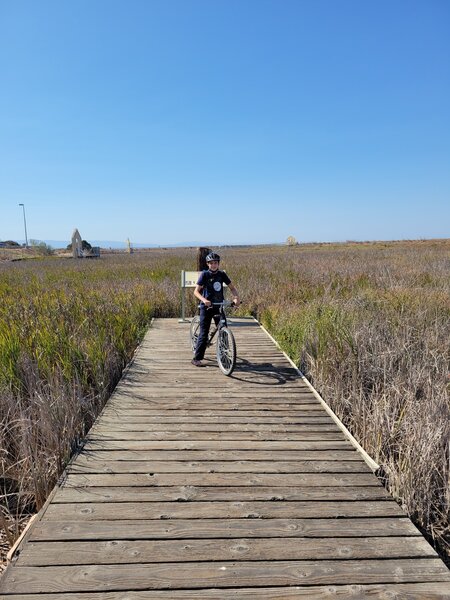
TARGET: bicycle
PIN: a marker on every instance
(225, 343)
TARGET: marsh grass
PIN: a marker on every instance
(369, 324)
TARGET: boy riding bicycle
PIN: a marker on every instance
(209, 290)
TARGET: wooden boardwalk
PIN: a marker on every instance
(196, 486)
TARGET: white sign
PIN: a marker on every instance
(189, 278)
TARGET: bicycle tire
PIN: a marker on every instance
(226, 351)
(194, 332)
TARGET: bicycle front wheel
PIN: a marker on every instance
(226, 351)
(194, 332)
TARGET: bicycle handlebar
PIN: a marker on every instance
(225, 304)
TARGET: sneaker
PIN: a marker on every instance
(197, 363)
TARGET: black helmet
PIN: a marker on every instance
(212, 256)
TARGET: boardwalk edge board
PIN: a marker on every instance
(19, 540)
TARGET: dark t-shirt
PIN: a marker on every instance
(212, 284)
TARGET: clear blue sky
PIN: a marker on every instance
(225, 120)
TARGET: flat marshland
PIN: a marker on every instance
(368, 324)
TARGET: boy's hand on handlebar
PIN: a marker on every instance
(207, 303)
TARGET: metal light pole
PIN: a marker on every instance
(25, 225)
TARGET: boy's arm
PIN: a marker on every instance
(234, 291)
(198, 294)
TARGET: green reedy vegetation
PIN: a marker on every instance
(368, 324)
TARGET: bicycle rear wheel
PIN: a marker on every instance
(226, 351)
(194, 332)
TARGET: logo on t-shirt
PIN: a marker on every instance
(217, 286)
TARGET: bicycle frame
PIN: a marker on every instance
(222, 320)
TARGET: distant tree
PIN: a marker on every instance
(11, 244)
(291, 241)
(41, 247)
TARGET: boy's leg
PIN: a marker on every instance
(205, 324)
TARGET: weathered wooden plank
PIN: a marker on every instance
(128, 419)
(280, 509)
(147, 382)
(161, 551)
(119, 427)
(222, 574)
(141, 380)
(104, 444)
(189, 493)
(225, 435)
(214, 410)
(276, 374)
(232, 391)
(222, 479)
(87, 465)
(401, 591)
(243, 380)
(241, 362)
(224, 455)
(194, 382)
(187, 404)
(196, 394)
(164, 414)
(46, 530)
(258, 348)
(183, 399)
(252, 377)
(273, 371)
